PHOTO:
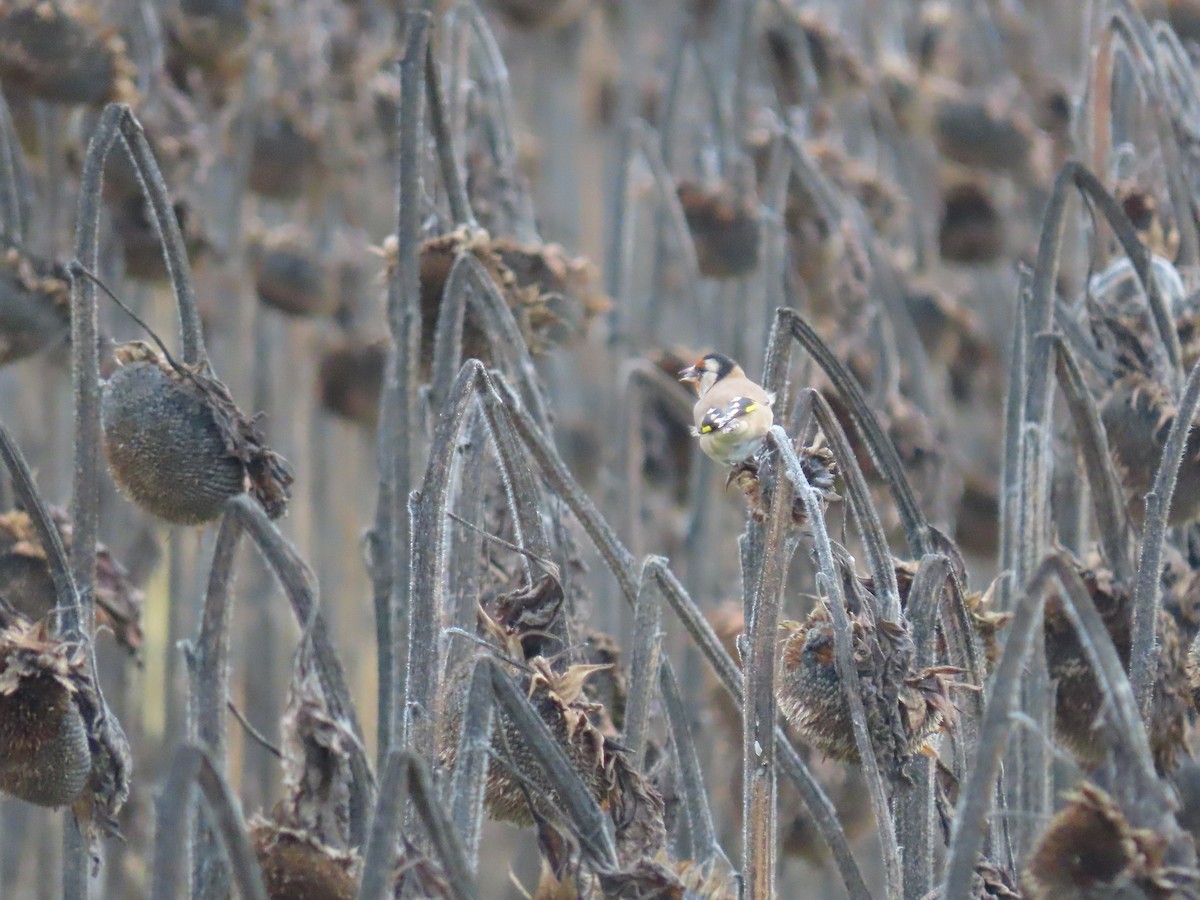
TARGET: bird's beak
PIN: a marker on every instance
(690, 375)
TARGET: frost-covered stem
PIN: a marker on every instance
(1147, 594)
(402, 416)
(829, 582)
(759, 787)
(190, 768)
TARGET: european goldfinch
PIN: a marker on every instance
(732, 413)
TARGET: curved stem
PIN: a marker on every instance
(870, 528)
(1105, 486)
(192, 767)
(974, 805)
(166, 224)
(789, 324)
(297, 582)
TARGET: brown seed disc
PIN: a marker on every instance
(44, 756)
(724, 230)
(351, 380)
(284, 160)
(1137, 418)
(212, 33)
(968, 133)
(971, 230)
(49, 54)
(25, 584)
(141, 247)
(539, 13)
(296, 866)
(34, 305)
(291, 280)
(164, 447)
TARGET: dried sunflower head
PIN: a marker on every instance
(211, 36)
(141, 247)
(1137, 415)
(350, 379)
(551, 295)
(905, 709)
(971, 229)
(971, 132)
(518, 790)
(59, 51)
(1091, 849)
(297, 866)
(44, 753)
(819, 468)
(27, 587)
(177, 444)
(724, 227)
(288, 156)
(35, 304)
(290, 275)
(534, 14)
(1079, 700)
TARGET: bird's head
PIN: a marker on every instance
(708, 371)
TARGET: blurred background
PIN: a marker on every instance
(666, 173)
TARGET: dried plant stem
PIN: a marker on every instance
(208, 670)
(789, 324)
(829, 583)
(471, 762)
(593, 827)
(85, 376)
(974, 805)
(870, 528)
(1105, 487)
(166, 225)
(405, 774)
(190, 767)
(16, 199)
(26, 494)
(428, 557)
(469, 282)
(297, 582)
(840, 212)
(915, 799)
(643, 141)
(103, 725)
(456, 191)
(701, 832)
(1147, 594)
(643, 381)
(620, 562)
(1040, 316)
(494, 85)
(556, 474)
(1010, 472)
(401, 415)
(209, 657)
(814, 797)
(1124, 21)
(761, 710)
(643, 664)
(379, 857)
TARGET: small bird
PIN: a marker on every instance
(733, 414)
